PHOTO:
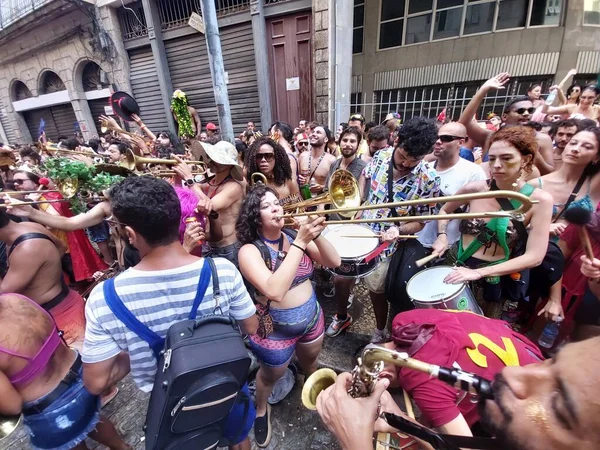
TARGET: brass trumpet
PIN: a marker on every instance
(8, 424)
(371, 364)
(51, 147)
(134, 162)
(517, 214)
(105, 127)
(343, 193)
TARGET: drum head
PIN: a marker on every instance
(428, 285)
(348, 247)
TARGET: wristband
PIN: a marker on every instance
(297, 246)
(443, 232)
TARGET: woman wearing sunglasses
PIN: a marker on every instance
(278, 263)
(267, 157)
(586, 109)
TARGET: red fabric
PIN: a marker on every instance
(447, 345)
(69, 316)
(85, 259)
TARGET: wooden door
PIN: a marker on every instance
(290, 61)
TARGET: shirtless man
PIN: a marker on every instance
(517, 111)
(35, 270)
(224, 194)
(57, 409)
(314, 164)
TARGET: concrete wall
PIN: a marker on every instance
(569, 40)
(59, 42)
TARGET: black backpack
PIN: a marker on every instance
(199, 399)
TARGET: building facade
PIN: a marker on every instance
(417, 57)
(284, 59)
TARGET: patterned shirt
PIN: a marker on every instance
(158, 299)
(421, 182)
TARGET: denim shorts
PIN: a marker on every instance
(66, 422)
(98, 233)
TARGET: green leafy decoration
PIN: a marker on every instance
(183, 116)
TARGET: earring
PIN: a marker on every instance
(515, 185)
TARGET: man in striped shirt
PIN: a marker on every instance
(159, 291)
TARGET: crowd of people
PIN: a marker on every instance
(151, 228)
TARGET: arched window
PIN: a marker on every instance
(92, 78)
(51, 83)
(19, 91)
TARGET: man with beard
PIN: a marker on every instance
(166, 144)
(485, 347)
(562, 132)
(349, 142)
(358, 121)
(517, 111)
(117, 152)
(315, 163)
(454, 173)
(377, 139)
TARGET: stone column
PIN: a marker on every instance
(160, 57)
(321, 59)
(83, 114)
(261, 60)
(119, 68)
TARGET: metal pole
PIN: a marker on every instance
(259, 35)
(217, 69)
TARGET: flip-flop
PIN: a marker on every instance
(106, 399)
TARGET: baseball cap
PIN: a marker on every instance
(211, 126)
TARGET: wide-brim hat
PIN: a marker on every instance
(124, 105)
(391, 116)
(225, 153)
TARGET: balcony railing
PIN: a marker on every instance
(172, 13)
(13, 10)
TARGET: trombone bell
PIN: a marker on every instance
(261, 178)
(315, 384)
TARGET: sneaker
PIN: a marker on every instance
(262, 429)
(329, 291)
(337, 326)
(379, 336)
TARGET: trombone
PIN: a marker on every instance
(134, 162)
(261, 179)
(105, 127)
(51, 147)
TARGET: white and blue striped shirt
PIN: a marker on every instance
(158, 299)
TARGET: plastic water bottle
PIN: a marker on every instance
(551, 97)
(550, 333)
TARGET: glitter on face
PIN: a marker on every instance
(537, 414)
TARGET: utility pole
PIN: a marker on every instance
(217, 69)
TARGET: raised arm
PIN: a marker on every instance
(474, 131)
(93, 217)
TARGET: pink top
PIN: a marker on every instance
(39, 362)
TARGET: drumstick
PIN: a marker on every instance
(421, 262)
(408, 404)
(359, 236)
(581, 217)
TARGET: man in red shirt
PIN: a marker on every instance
(457, 339)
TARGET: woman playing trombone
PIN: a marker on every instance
(491, 248)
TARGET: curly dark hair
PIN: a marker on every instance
(248, 224)
(352, 130)
(417, 136)
(29, 152)
(571, 88)
(282, 171)
(148, 205)
(378, 133)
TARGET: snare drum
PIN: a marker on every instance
(353, 251)
(428, 290)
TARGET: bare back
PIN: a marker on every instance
(23, 330)
(34, 266)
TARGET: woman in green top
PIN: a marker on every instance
(490, 248)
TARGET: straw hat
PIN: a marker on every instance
(225, 153)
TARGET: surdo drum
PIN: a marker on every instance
(353, 251)
(428, 290)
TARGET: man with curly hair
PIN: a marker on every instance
(269, 158)
(398, 174)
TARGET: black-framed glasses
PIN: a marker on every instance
(19, 182)
(521, 111)
(302, 144)
(266, 156)
(449, 138)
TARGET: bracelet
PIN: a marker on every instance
(443, 232)
(297, 246)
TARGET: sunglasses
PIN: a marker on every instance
(521, 111)
(302, 143)
(449, 138)
(266, 156)
(19, 182)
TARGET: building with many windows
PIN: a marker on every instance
(418, 57)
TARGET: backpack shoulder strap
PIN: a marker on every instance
(264, 251)
(290, 232)
(121, 312)
(205, 275)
